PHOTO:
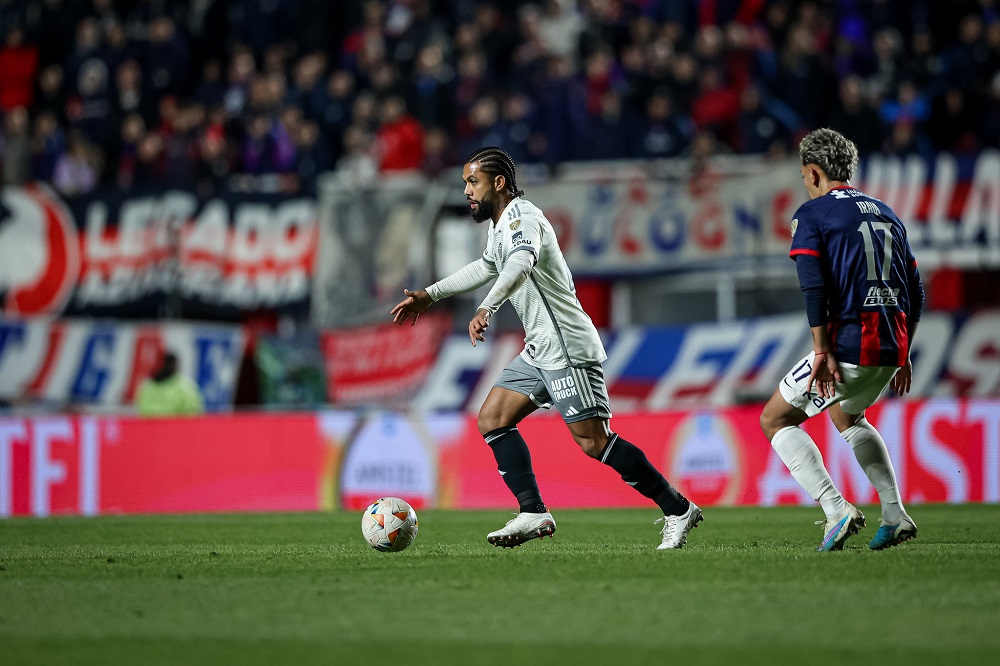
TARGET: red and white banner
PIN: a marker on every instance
(943, 451)
(383, 362)
(112, 253)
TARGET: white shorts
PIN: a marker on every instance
(862, 386)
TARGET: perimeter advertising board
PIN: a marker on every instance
(945, 450)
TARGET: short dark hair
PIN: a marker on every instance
(497, 161)
(831, 151)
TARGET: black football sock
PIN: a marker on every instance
(514, 464)
(628, 460)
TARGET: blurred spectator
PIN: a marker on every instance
(357, 165)
(430, 90)
(969, 58)
(337, 106)
(213, 162)
(18, 63)
(89, 110)
(165, 58)
(758, 128)
(307, 90)
(132, 129)
(438, 154)
(15, 147)
(129, 96)
(51, 94)
(484, 117)
(953, 123)
(517, 128)
(804, 82)
(211, 90)
(267, 148)
(605, 135)
(907, 106)
(662, 131)
(471, 85)
(717, 106)
(76, 169)
(559, 26)
(240, 74)
(905, 139)
(149, 163)
(312, 156)
(180, 143)
(923, 65)
(169, 392)
(888, 48)
(86, 49)
(854, 117)
(400, 137)
(991, 125)
(48, 143)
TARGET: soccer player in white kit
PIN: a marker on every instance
(561, 361)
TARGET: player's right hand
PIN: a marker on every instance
(900, 383)
(414, 303)
(479, 324)
(825, 375)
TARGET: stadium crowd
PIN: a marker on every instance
(126, 93)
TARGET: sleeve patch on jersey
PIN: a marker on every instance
(515, 224)
(803, 250)
(794, 226)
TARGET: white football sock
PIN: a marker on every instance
(802, 458)
(873, 456)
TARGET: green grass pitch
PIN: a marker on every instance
(306, 589)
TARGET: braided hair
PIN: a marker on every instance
(496, 161)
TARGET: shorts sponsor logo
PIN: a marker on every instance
(563, 387)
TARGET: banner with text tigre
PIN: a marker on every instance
(100, 363)
(945, 450)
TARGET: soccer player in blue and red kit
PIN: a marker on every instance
(863, 299)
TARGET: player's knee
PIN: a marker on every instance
(589, 446)
(770, 425)
(593, 445)
(490, 419)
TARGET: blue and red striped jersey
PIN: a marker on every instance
(870, 276)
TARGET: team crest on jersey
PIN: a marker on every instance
(795, 225)
(515, 224)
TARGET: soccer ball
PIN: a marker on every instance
(389, 524)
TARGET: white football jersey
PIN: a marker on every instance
(558, 333)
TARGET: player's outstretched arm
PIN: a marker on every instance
(414, 303)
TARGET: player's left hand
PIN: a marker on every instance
(825, 374)
(900, 383)
(479, 324)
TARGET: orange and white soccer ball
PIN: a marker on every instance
(389, 524)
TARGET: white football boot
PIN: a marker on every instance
(675, 528)
(523, 527)
(836, 532)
